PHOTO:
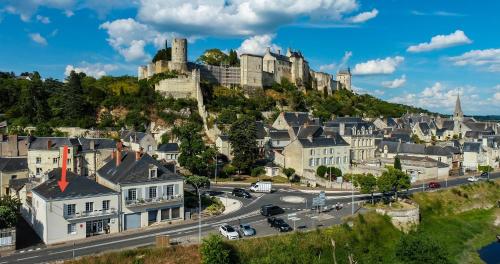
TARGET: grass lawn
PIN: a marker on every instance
(250, 179)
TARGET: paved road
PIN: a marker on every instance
(249, 213)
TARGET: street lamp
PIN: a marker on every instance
(216, 161)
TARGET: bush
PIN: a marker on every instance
(321, 171)
(216, 207)
(417, 248)
(229, 170)
(257, 171)
(214, 251)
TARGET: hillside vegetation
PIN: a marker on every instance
(455, 223)
(115, 102)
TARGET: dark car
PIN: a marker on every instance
(269, 210)
(238, 192)
(433, 185)
(279, 224)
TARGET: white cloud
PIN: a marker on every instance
(27, 8)
(360, 90)
(396, 83)
(441, 41)
(258, 44)
(43, 19)
(497, 96)
(68, 13)
(436, 13)
(378, 66)
(437, 97)
(96, 70)
(363, 17)
(487, 58)
(36, 37)
(129, 38)
(239, 17)
(333, 66)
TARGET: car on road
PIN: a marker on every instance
(433, 185)
(212, 193)
(228, 232)
(473, 179)
(279, 224)
(238, 192)
(484, 174)
(270, 210)
(247, 230)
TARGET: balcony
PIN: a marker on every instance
(93, 214)
(163, 200)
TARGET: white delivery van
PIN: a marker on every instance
(261, 186)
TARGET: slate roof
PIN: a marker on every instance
(440, 131)
(132, 171)
(168, 147)
(279, 135)
(448, 124)
(296, 118)
(420, 149)
(345, 120)
(41, 143)
(127, 135)
(332, 141)
(18, 184)
(13, 164)
(424, 127)
(424, 159)
(79, 186)
(280, 56)
(99, 143)
(310, 131)
(261, 132)
(472, 147)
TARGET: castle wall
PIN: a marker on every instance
(251, 71)
(180, 87)
(179, 55)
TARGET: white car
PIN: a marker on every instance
(228, 232)
(473, 179)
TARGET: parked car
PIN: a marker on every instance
(270, 210)
(247, 230)
(279, 224)
(473, 179)
(228, 232)
(238, 192)
(484, 174)
(434, 185)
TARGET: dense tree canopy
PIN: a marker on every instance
(243, 136)
(194, 154)
(217, 57)
(393, 180)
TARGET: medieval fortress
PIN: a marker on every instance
(255, 72)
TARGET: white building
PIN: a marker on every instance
(84, 209)
(150, 193)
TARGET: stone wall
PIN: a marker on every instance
(403, 219)
(180, 87)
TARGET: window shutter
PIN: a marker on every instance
(164, 190)
(176, 189)
(139, 193)
(125, 194)
(65, 209)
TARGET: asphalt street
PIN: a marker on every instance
(188, 232)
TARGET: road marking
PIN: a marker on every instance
(30, 249)
(27, 258)
(22, 251)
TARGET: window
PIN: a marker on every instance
(325, 161)
(325, 151)
(71, 229)
(345, 159)
(170, 190)
(38, 171)
(38, 160)
(150, 148)
(152, 192)
(165, 214)
(132, 194)
(55, 160)
(152, 173)
(312, 152)
(69, 161)
(70, 209)
(331, 150)
(89, 206)
(338, 160)
(105, 205)
(311, 162)
(176, 212)
(316, 163)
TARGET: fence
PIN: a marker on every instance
(7, 239)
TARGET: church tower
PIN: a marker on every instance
(458, 117)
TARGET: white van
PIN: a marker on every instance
(261, 186)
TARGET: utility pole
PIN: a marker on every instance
(330, 177)
(216, 161)
(199, 214)
(352, 196)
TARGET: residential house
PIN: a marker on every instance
(287, 120)
(149, 192)
(474, 155)
(84, 209)
(13, 146)
(311, 149)
(419, 168)
(12, 168)
(139, 141)
(45, 153)
(94, 153)
(169, 152)
(224, 146)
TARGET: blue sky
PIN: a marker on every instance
(414, 52)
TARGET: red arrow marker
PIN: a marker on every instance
(63, 183)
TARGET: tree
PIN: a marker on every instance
(393, 180)
(289, 172)
(198, 182)
(243, 140)
(232, 58)
(165, 138)
(321, 171)
(163, 54)
(213, 57)
(9, 211)
(367, 184)
(194, 155)
(416, 248)
(214, 251)
(397, 163)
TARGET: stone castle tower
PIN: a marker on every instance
(179, 55)
(344, 79)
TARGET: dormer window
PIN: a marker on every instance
(153, 173)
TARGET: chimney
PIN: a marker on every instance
(341, 129)
(138, 155)
(49, 144)
(119, 148)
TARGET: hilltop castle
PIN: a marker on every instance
(254, 72)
